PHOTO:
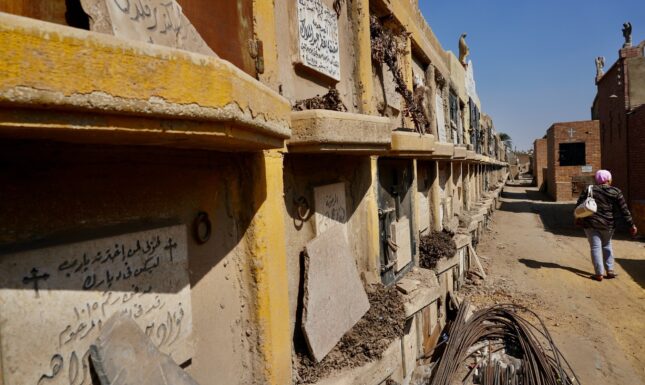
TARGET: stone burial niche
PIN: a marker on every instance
(395, 177)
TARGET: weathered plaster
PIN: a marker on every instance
(56, 66)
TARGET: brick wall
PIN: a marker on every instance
(638, 214)
(539, 161)
(611, 101)
(559, 179)
(636, 171)
(622, 134)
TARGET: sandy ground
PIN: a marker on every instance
(535, 256)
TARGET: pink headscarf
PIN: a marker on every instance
(603, 176)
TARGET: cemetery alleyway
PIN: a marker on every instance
(535, 256)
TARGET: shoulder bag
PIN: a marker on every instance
(588, 207)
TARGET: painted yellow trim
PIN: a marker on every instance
(269, 266)
(365, 81)
(44, 63)
(265, 30)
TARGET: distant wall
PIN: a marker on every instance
(560, 178)
(539, 161)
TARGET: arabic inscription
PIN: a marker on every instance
(54, 301)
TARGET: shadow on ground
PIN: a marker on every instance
(556, 217)
(533, 264)
(635, 268)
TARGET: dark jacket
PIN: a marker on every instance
(610, 202)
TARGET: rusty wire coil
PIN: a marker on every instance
(541, 361)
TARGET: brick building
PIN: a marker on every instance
(573, 156)
(539, 162)
(619, 108)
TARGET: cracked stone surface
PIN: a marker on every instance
(124, 354)
(334, 296)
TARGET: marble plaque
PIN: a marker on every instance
(441, 118)
(330, 206)
(54, 302)
(152, 21)
(318, 37)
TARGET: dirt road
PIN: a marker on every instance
(535, 256)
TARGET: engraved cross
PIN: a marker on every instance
(35, 278)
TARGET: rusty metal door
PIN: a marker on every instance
(395, 210)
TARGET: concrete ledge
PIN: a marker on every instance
(64, 69)
(470, 155)
(373, 373)
(412, 143)
(323, 130)
(470, 221)
(443, 150)
(424, 294)
(446, 264)
(460, 152)
(462, 240)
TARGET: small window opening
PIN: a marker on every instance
(572, 154)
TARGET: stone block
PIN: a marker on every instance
(400, 231)
(426, 292)
(124, 354)
(407, 286)
(334, 297)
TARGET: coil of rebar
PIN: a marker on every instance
(502, 325)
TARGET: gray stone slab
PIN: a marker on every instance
(54, 301)
(334, 297)
(123, 354)
(152, 21)
(400, 231)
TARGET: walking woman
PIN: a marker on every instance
(600, 226)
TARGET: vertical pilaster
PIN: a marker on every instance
(415, 207)
(372, 225)
(264, 28)
(268, 260)
(436, 199)
(450, 186)
(363, 46)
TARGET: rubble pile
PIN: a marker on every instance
(434, 246)
(330, 101)
(365, 342)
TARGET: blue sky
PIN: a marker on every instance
(534, 60)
